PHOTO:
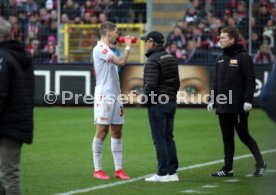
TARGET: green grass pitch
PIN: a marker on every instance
(60, 158)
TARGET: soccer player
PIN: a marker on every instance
(108, 111)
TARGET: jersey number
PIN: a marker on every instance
(121, 111)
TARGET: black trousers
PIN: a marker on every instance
(228, 124)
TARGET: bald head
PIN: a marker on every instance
(5, 29)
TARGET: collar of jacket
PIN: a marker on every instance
(233, 50)
(153, 50)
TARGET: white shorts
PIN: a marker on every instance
(108, 111)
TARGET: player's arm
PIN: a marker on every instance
(121, 61)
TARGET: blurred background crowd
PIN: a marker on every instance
(36, 23)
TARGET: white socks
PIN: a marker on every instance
(116, 148)
(97, 148)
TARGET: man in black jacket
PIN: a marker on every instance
(234, 79)
(161, 83)
(268, 96)
(16, 107)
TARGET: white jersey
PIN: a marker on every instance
(106, 74)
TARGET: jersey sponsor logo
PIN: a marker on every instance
(105, 51)
(220, 61)
(233, 61)
(166, 56)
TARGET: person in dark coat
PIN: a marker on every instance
(161, 83)
(16, 108)
(268, 96)
(233, 90)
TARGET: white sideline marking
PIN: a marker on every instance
(232, 180)
(266, 171)
(194, 192)
(209, 186)
(270, 171)
(143, 177)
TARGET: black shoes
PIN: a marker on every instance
(260, 170)
(223, 173)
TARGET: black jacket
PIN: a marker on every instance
(16, 92)
(161, 74)
(235, 72)
(268, 95)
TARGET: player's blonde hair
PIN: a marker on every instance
(106, 27)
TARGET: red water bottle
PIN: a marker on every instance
(122, 39)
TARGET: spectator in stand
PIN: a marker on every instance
(22, 20)
(102, 18)
(197, 35)
(140, 11)
(273, 15)
(227, 14)
(102, 7)
(209, 6)
(264, 55)
(71, 9)
(269, 37)
(177, 37)
(86, 18)
(16, 30)
(53, 16)
(231, 22)
(175, 51)
(124, 12)
(12, 9)
(53, 55)
(77, 20)
(33, 23)
(87, 7)
(215, 31)
(34, 51)
(64, 19)
(221, 6)
(30, 6)
(94, 19)
(53, 28)
(241, 18)
(51, 42)
(43, 17)
(264, 14)
(190, 51)
(191, 15)
(28, 41)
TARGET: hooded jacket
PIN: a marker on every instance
(16, 92)
(161, 74)
(235, 79)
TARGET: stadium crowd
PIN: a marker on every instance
(199, 29)
(35, 23)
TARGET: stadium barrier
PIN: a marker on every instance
(79, 39)
(73, 84)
